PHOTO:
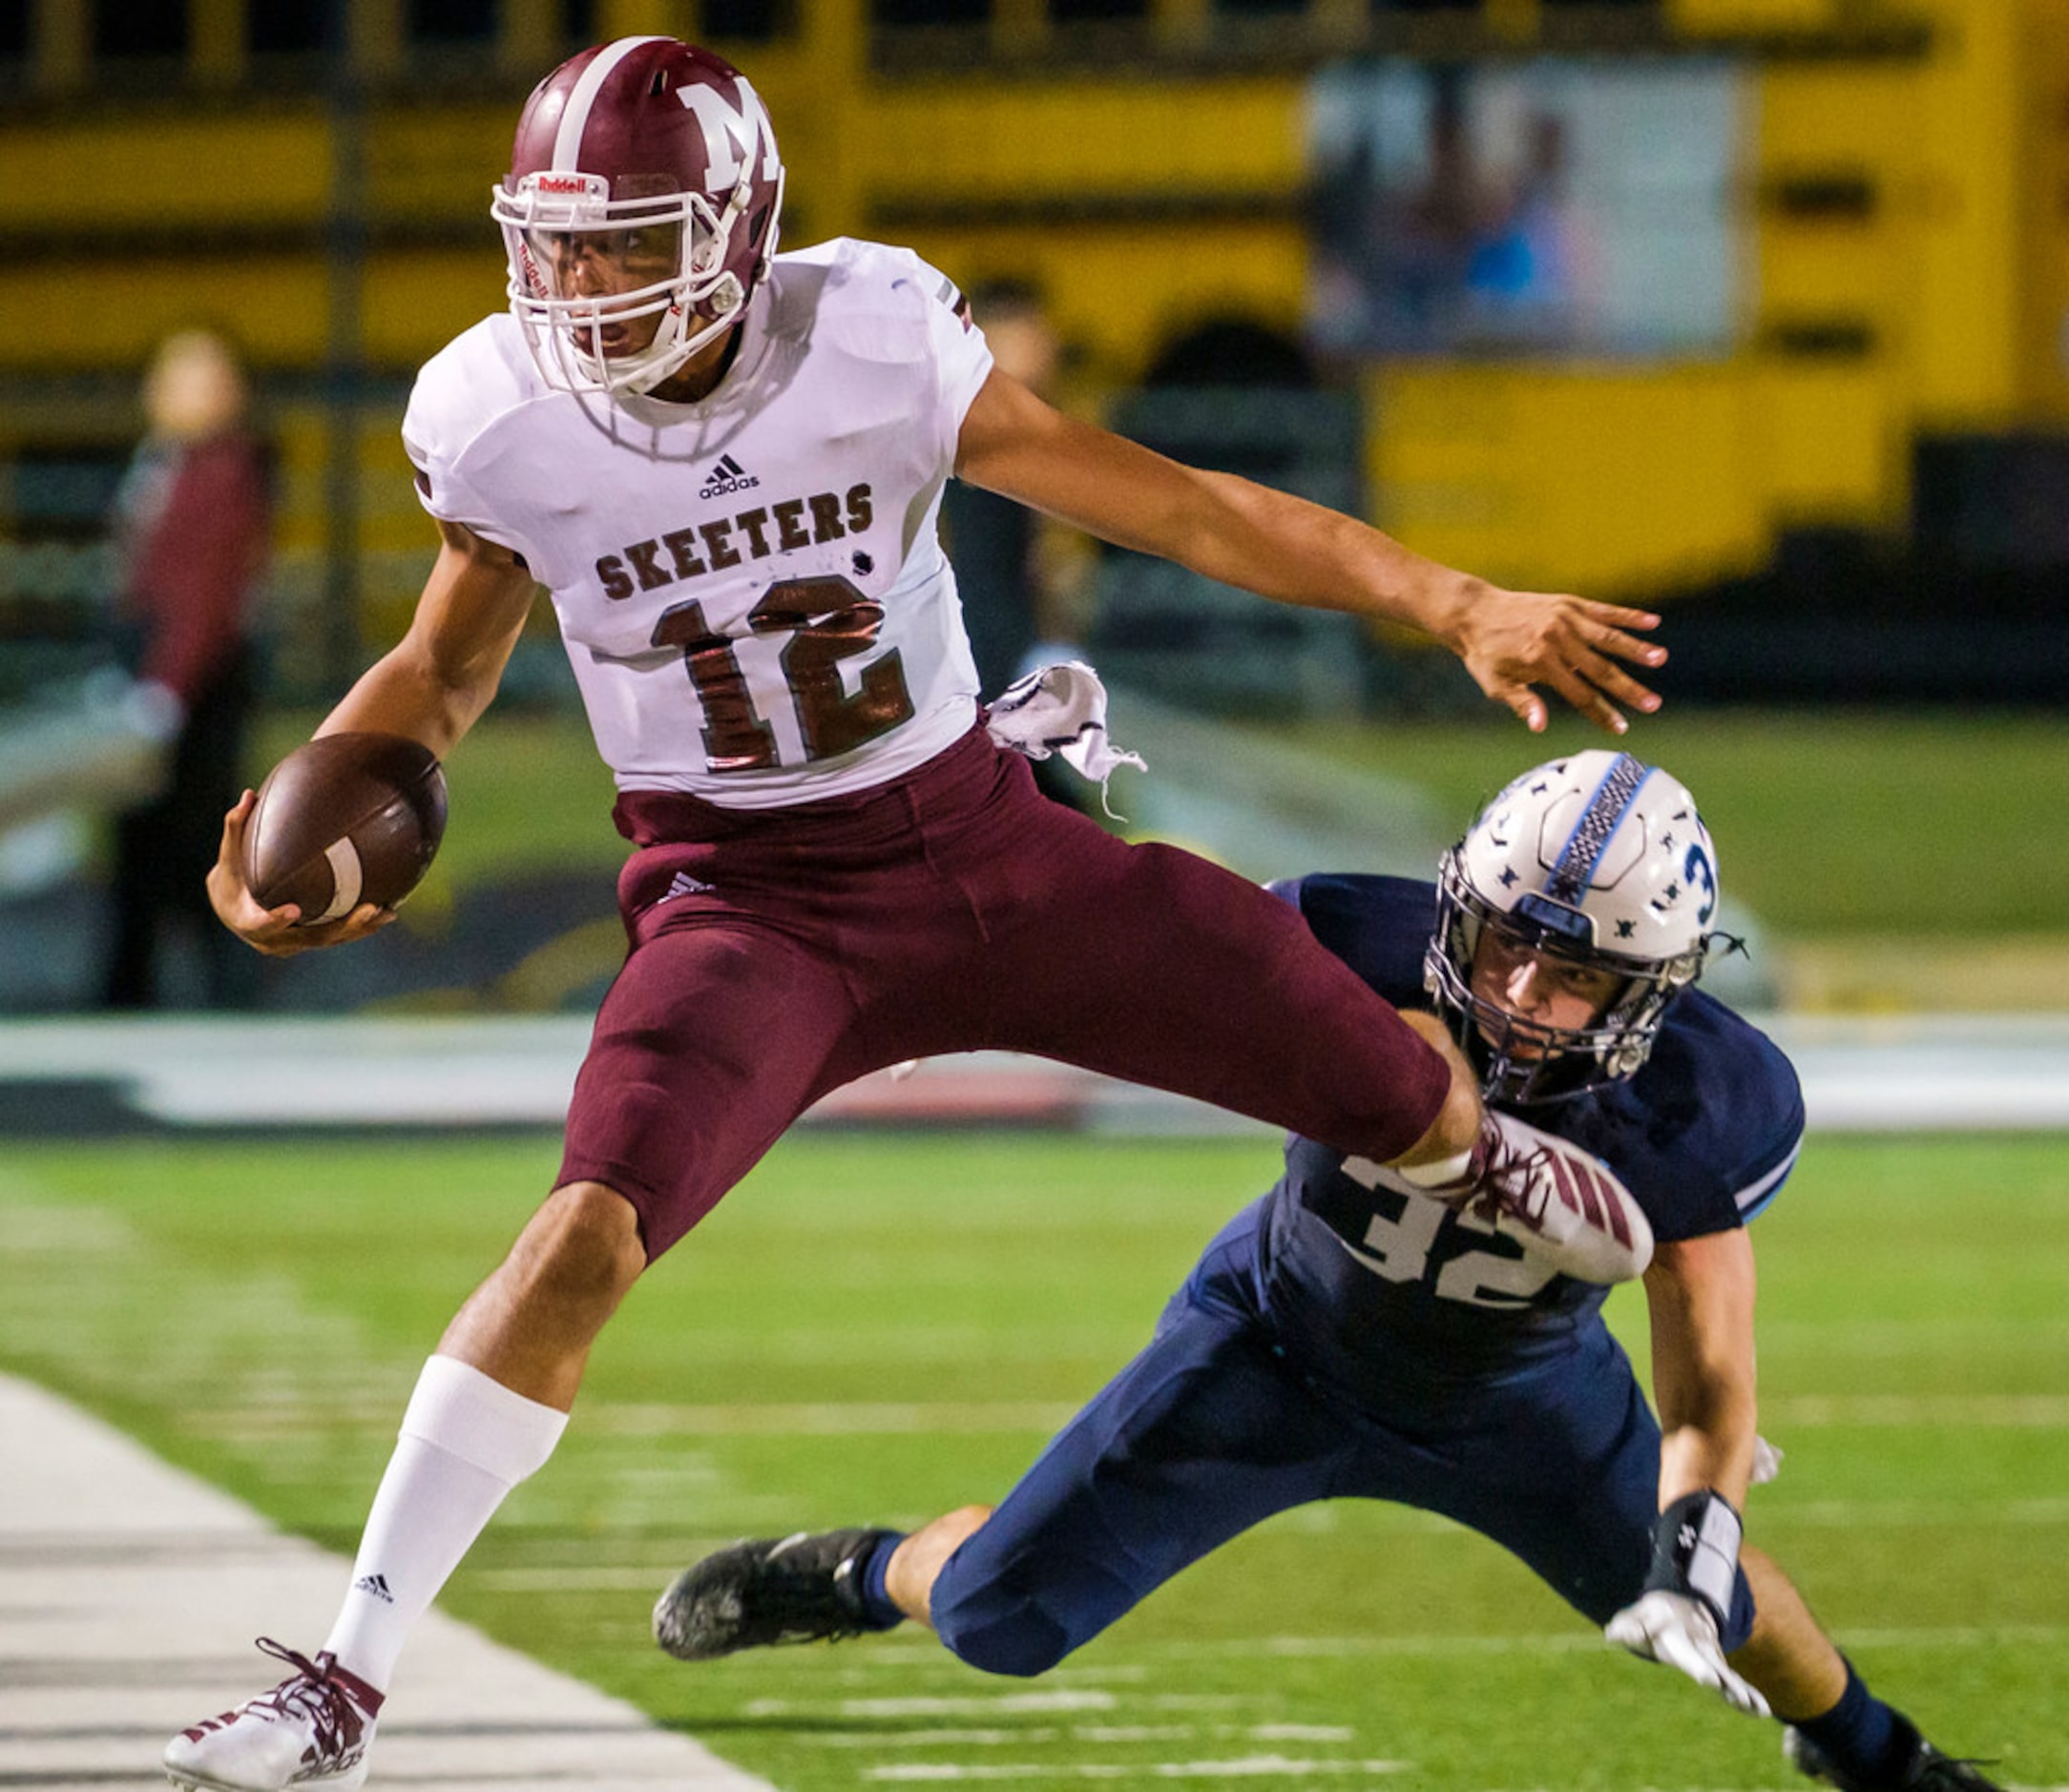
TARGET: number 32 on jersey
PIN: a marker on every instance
(828, 621)
(1422, 1235)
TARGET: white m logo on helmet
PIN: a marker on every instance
(730, 136)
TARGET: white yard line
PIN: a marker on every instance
(129, 1594)
(1243, 1767)
(855, 1418)
(1784, 1416)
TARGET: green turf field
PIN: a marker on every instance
(876, 1328)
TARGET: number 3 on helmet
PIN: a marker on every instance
(648, 138)
(1597, 860)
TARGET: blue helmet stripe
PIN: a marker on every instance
(1570, 877)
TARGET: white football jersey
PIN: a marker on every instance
(751, 589)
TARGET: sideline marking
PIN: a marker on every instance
(132, 1593)
(1907, 1074)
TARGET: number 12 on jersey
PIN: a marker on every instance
(828, 621)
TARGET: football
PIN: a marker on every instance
(342, 820)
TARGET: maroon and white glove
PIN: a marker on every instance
(1561, 1204)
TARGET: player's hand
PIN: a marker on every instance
(1511, 640)
(273, 930)
(1680, 1631)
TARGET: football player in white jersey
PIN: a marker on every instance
(724, 464)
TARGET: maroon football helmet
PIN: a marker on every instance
(644, 183)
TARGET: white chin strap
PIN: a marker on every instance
(563, 342)
(661, 358)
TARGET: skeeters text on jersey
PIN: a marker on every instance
(750, 588)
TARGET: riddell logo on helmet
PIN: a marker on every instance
(567, 184)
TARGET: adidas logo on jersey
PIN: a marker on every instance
(729, 475)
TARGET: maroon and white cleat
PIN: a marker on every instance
(1561, 1204)
(311, 1730)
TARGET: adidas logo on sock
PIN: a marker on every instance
(377, 1586)
(729, 475)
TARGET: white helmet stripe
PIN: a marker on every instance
(575, 120)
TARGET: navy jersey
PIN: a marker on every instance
(1397, 1299)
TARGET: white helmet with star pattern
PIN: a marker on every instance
(1597, 860)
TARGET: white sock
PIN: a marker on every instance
(465, 1440)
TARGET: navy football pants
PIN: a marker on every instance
(1211, 1430)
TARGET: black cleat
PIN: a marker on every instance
(1923, 1768)
(803, 1588)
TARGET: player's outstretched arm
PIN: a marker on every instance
(1700, 1292)
(1293, 552)
(1699, 1295)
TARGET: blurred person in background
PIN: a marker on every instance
(1007, 573)
(1533, 278)
(993, 542)
(191, 528)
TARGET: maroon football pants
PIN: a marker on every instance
(778, 953)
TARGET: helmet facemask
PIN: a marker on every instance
(1523, 1061)
(669, 251)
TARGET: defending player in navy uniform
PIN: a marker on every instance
(1352, 1334)
(725, 465)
